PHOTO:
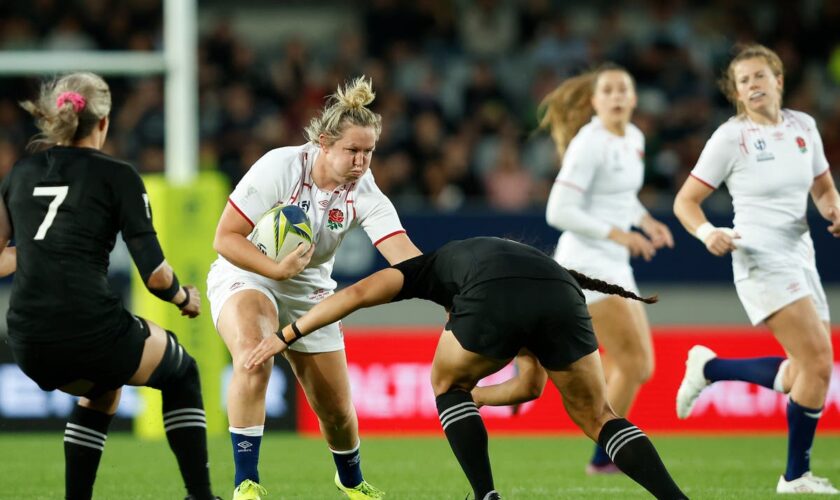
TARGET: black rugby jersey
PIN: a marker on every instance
(459, 265)
(66, 206)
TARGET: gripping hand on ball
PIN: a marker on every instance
(295, 262)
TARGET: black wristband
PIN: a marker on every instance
(283, 339)
(186, 300)
(296, 330)
(169, 293)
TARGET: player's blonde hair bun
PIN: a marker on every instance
(357, 94)
(346, 107)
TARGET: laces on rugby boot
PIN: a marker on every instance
(807, 483)
(249, 490)
(362, 491)
(694, 381)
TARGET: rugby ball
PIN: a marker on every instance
(280, 230)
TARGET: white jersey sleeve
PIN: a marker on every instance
(638, 212)
(718, 158)
(376, 214)
(564, 210)
(271, 180)
(820, 162)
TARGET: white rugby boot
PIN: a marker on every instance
(693, 381)
(807, 483)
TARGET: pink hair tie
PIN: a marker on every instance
(73, 97)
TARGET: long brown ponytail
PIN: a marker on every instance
(566, 109)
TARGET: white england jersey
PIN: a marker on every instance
(284, 176)
(769, 171)
(603, 173)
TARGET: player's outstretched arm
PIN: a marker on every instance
(526, 385)
(378, 288)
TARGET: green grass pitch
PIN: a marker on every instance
(292, 467)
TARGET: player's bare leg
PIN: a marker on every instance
(326, 384)
(245, 319)
(455, 371)
(584, 396)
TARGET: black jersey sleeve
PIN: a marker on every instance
(135, 213)
(412, 269)
(135, 222)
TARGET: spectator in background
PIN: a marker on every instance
(770, 158)
(509, 185)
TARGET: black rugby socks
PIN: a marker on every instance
(467, 437)
(633, 453)
(84, 441)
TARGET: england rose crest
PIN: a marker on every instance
(335, 219)
(801, 143)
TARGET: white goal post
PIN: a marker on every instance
(177, 63)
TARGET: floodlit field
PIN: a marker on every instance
(707, 467)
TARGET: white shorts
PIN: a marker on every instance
(225, 281)
(615, 274)
(764, 291)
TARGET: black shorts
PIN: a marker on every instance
(549, 317)
(107, 361)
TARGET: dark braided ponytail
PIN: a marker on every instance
(602, 286)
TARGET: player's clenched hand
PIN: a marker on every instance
(636, 243)
(721, 241)
(264, 351)
(295, 262)
(834, 217)
(658, 232)
(193, 307)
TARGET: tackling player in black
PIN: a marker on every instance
(503, 298)
(68, 330)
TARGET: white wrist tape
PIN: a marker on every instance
(704, 230)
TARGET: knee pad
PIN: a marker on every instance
(176, 367)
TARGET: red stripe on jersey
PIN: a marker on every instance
(380, 240)
(827, 170)
(569, 184)
(701, 181)
(241, 212)
(743, 145)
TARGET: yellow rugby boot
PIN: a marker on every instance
(362, 491)
(249, 490)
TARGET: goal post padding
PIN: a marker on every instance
(185, 218)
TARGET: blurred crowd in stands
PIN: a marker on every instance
(457, 82)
